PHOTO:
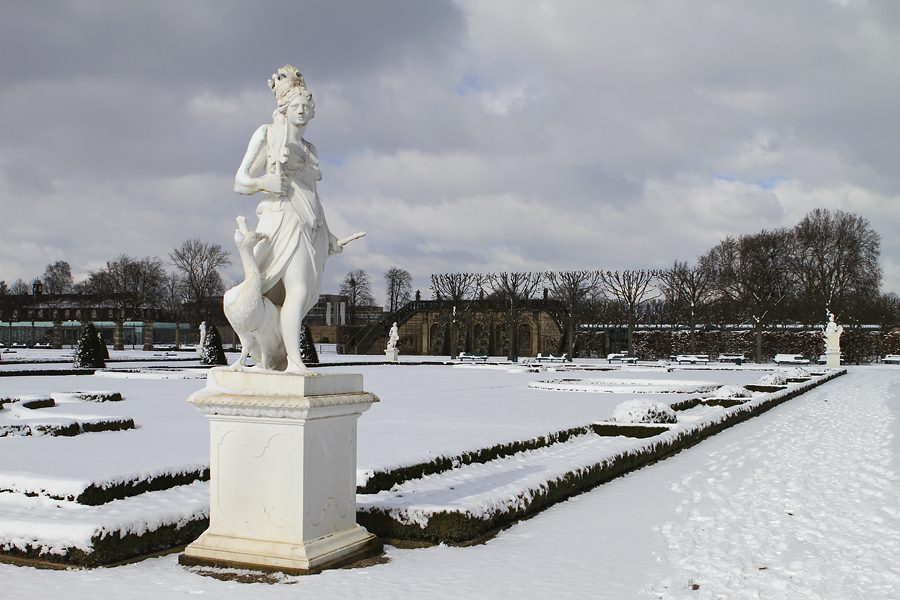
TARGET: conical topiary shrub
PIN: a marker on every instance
(88, 352)
(307, 347)
(212, 353)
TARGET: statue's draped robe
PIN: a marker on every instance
(295, 224)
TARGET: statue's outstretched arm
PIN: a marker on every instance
(254, 160)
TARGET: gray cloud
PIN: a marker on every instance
(461, 135)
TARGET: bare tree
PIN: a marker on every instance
(172, 296)
(399, 287)
(687, 290)
(457, 290)
(514, 289)
(57, 278)
(199, 264)
(835, 261)
(572, 288)
(129, 285)
(20, 288)
(4, 290)
(885, 310)
(357, 288)
(630, 289)
(753, 274)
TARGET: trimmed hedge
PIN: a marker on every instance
(92, 396)
(95, 495)
(39, 403)
(452, 527)
(768, 389)
(112, 547)
(68, 429)
(381, 481)
(635, 431)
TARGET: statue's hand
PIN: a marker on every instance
(336, 247)
(273, 184)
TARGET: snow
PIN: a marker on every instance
(55, 525)
(732, 391)
(772, 379)
(642, 411)
(799, 502)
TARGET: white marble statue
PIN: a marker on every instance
(393, 338)
(832, 334)
(295, 239)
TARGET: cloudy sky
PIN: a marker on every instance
(462, 136)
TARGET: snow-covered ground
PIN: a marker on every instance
(800, 502)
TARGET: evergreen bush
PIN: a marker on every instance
(307, 347)
(89, 351)
(212, 353)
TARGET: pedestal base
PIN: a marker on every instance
(833, 360)
(282, 472)
(392, 354)
(330, 552)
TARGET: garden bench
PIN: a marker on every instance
(551, 357)
(625, 358)
(732, 357)
(792, 359)
(891, 359)
(473, 356)
(692, 358)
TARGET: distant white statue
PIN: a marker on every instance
(393, 338)
(295, 238)
(832, 334)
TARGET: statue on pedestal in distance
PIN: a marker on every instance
(832, 334)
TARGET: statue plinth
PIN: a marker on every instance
(833, 359)
(392, 355)
(283, 472)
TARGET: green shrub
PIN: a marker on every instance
(307, 347)
(89, 351)
(212, 353)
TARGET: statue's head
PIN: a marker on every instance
(295, 102)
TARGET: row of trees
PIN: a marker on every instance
(827, 262)
(131, 284)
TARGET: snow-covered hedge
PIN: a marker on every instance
(772, 379)
(732, 391)
(377, 481)
(82, 396)
(797, 373)
(460, 526)
(66, 427)
(643, 411)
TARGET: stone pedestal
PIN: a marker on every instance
(832, 359)
(392, 354)
(148, 336)
(283, 472)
